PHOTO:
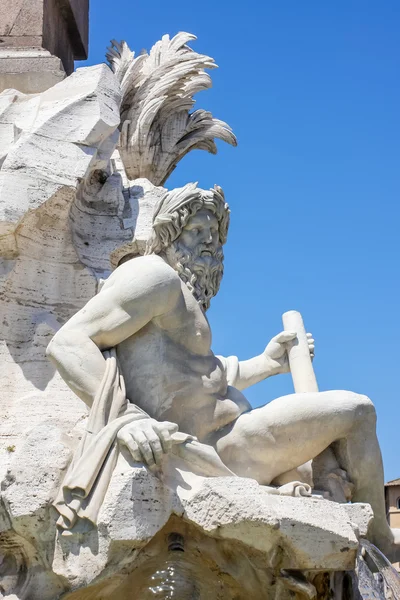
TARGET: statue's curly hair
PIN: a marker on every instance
(178, 206)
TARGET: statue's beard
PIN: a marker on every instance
(201, 272)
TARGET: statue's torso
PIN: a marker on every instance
(172, 374)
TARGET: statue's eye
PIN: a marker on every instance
(195, 230)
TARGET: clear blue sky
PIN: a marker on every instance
(312, 92)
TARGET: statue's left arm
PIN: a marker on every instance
(273, 361)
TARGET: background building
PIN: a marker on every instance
(392, 499)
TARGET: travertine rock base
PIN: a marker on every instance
(231, 528)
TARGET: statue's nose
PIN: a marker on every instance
(207, 236)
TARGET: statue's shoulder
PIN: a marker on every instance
(149, 271)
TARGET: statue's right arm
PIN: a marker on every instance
(134, 294)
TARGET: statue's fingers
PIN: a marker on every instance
(172, 427)
(284, 337)
(155, 445)
(309, 335)
(165, 438)
(145, 448)
(126, 438)
(311, 347)
(135, 452)
(310, 341)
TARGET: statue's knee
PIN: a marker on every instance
(356, 407)
(364, 409)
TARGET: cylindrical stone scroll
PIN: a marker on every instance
(299, 354)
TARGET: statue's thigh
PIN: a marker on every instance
(287, 432)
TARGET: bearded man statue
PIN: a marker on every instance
(199, 266)
(139, 355)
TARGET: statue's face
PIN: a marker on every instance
(201, 235)
(197, 256)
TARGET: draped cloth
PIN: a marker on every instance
(88, 476)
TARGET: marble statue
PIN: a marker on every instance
(152, 311)
(113, 274)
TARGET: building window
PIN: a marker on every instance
(398, 503)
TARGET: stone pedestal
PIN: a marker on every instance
(39, 41)
(30, 71)
(206, 538)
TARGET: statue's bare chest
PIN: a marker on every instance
(186, 324)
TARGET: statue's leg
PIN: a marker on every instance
(291, 430)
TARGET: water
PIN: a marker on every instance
(176, 576)
(377, 579)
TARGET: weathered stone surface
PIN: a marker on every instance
(21, 17)
(46, 20)
(39, 41)
(65, 127)
(71, 121)
(360, 516)
(26, 523)
(141, 198)
(213, 514)
(49, 144)
(13, 62)
(29, 71)
(25, 18)
(10, 108)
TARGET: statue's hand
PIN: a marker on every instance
(276, 351)
(147, 440)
